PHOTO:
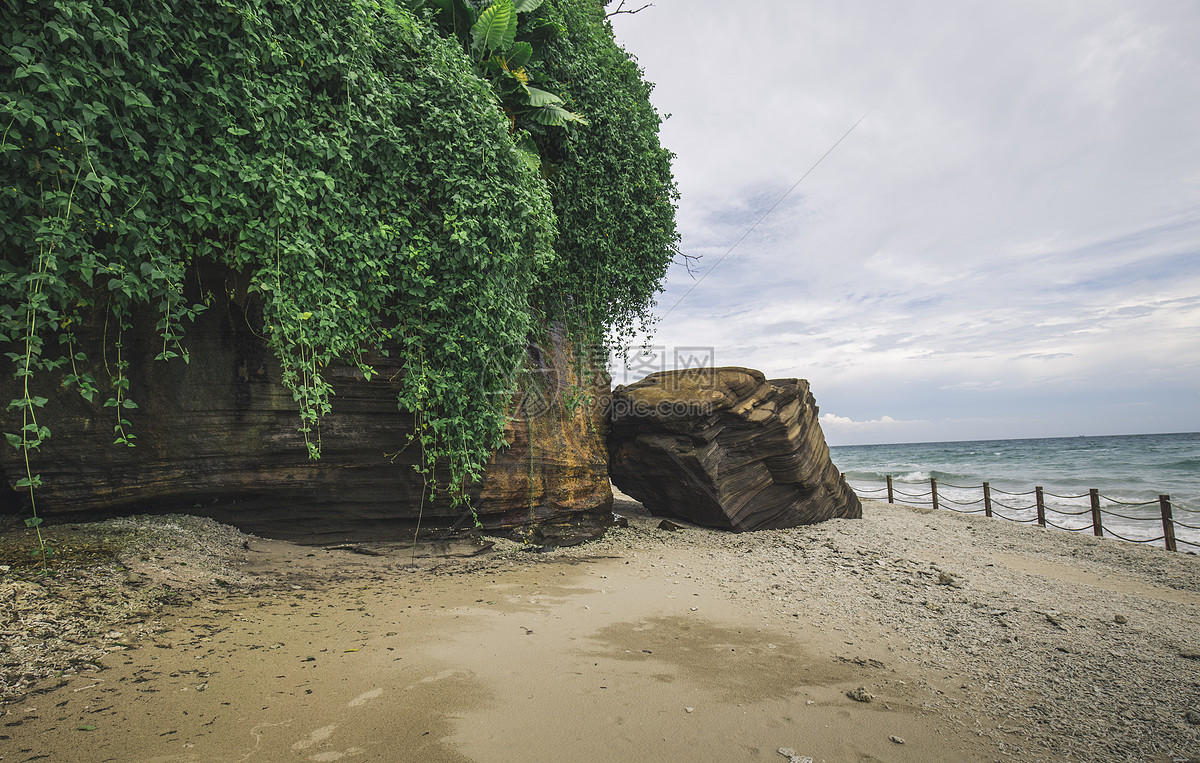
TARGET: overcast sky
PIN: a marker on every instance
(1008, 244)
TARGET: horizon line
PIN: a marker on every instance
(1010, 439)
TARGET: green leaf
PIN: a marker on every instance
(552, 115)
(135, 98)
(13, 440)
(545, 28)
(25, 71)
(496, 29)
(85, 727)
(530, 158)
(33, 521)
(525, 6)
(538, 97)
(519, 55)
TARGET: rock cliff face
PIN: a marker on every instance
(725, 448)
(217, 437)
(551, 482)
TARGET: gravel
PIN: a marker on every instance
(1053, 662)
(59, 622)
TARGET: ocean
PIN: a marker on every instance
(1126, 469)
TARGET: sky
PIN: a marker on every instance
(1006, 245)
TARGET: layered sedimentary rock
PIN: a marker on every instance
(218, 437)
(551, 481)
(725, 448)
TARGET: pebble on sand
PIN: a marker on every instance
(860, 694)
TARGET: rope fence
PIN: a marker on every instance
(1165, 515)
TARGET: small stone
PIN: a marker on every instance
(896, 739)
(1120, 619)
(669, 526)
(860, 695)
(1192, 717)
(689, 709)
(1190, 654)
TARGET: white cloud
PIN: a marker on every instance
(840, 424)
(1016, 223)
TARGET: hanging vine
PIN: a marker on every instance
(340, 153)
(386, 184)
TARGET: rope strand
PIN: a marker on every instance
(951, 504)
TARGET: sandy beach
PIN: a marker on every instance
(909, 635)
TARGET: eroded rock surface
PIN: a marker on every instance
(726, 448)
(218, 437)
(551, 482)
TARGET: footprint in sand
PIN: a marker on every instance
(365, 697)
(332, 755)
(439, 677)
(320, 735)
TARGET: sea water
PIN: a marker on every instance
(1125, 469)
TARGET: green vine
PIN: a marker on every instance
(356, 163)
(341, 154)
(614, 195)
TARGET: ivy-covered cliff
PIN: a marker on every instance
(422, 186)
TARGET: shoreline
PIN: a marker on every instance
(1145, 486)
(979, 640)
(1073, 511)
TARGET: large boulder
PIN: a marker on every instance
(725, 448)
(218, 437)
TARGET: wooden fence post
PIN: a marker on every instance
(1097, 529)
(987, 500)
(1168, 522)
(891, 498)
(1041, 506)
(933, 492)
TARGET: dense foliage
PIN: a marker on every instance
(611, 181)
(351, 159)
(609, 177)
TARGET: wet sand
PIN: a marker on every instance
(665, 647)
